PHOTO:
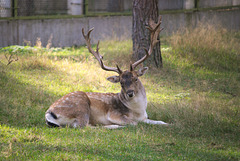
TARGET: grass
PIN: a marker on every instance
(209, 47)
(200, 97)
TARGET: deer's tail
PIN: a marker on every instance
(51, 119)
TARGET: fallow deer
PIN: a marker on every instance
(79, 109)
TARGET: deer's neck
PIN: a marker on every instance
(137, 104)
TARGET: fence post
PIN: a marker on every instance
(15, 8)
(196, 4)
(188, 4)
(85, 7)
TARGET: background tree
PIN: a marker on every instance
(143, 10)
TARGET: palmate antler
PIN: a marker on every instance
(154, 29)
(97, 54)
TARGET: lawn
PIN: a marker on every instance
(197, 91)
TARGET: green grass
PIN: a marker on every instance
(200, 97)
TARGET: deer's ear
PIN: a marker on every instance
(142, 71)
(114, 79)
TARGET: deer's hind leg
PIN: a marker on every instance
(81, 110)
(71, 110)
(82, 120)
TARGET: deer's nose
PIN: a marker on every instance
(130, 93)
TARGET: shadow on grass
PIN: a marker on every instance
(194, 78)
(103, 147)
(21, 108)
(23, 104)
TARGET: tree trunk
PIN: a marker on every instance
(143, 10)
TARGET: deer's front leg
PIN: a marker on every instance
(117, 118)
(148, 121)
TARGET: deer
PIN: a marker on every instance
(111, 110)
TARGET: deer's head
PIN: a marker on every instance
(128, 79)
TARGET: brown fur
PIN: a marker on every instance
(75, 105)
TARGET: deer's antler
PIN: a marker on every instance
(97, 54)
(154, 29)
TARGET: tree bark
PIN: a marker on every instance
(143, 10)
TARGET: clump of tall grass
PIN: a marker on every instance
(208, 46)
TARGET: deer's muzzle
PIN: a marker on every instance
(130, 93)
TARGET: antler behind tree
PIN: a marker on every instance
(97, 54)
(154, 29)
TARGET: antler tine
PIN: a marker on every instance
(96, 53)
(154, 29)
(134, 65)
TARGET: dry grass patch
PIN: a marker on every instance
(208, 46)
